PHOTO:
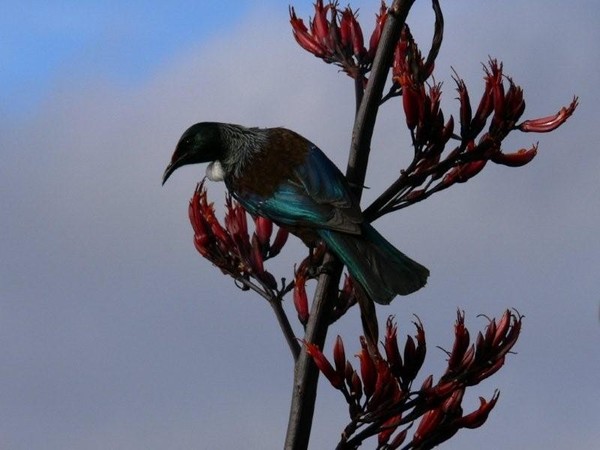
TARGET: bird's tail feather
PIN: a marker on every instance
(381, 269)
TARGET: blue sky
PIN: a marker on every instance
(115, 334)
(123, 41)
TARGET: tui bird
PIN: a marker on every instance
(280, 175)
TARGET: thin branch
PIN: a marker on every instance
(285, 326)
(275, 302)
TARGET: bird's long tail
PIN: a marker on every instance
(381, 269)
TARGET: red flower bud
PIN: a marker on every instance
(237, 227)
(399, 65)
(447, 131)
(466, 113)
(376, 35)
(517, 159)
(549, 123)
(304, 38)
(367, 369)
(510, 336)
(324, 365)
(479, 416)
(256, 256)
(464, 172)
(392, 351)
(388, 428)
(441, 390)
(414, 355)
(202, 245)
(411, 101)
(386, 387)
(300, 298)
(333, 38)
(320, 24)
(471, 169)
(409, 349)
(490, 332)
(502, 328)
(339, 356)
(467, 358)
(398, 440)
(485, 108)
(358, 45)
(204, 220)
(436, 115)
(482, 347)
(349, 372)
(497, 92)
(223, 239)
(515, 105)
(357, 389)
(488, 371)
(429, 422)
(427, 383)
(452, 404)
(200, 227)
(345, 31)
(461, 343)
(264, 229)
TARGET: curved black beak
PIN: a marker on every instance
(168, 171)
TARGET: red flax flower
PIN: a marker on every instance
(300, 297)
(376, 35)
(379, 395)
(324, 365)
(230, 247)
(336, 37)
(482, 130)
(305, 38)
(549, 123)
(351, 35)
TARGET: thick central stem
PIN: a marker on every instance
(364, 123)
(306, 374)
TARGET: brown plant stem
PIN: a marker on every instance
(306, 374)
(285, 326)
(274, 300)
(366, 115)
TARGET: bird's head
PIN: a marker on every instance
(200, 143)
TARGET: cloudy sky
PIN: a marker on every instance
(116, 334)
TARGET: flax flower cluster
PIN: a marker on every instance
(345, 299)
(230, 246)
(444, 154)
(335, 36)
(477, 140)
(380, 395)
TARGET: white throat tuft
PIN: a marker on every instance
(215, 171)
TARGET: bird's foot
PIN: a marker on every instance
(314, 271)
(314, 261)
